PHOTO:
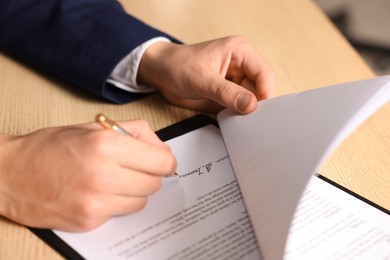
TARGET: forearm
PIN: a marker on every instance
(79, 41)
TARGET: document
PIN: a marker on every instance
(195, 216)
(332, 224)
(248, 189)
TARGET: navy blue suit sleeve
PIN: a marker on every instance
(80, 41)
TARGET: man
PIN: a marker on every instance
(75, 177)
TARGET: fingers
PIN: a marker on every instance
(248, 79)
(144, 157)
(203, 104)
(246, 62)
(117, 205)
(238, 75)
(260, 72)
(264, 81)
(114, 193)
(90, 212)
(143, 151)
(124, 181)
(232, 95)
(222, 94)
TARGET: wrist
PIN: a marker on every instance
(7, 155)
(153, 68)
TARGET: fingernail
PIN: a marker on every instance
(243, 101)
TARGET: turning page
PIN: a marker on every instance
(275, 150)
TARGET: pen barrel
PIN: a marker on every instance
(120, 130)
(110, 124)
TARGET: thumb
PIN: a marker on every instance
(233, 96)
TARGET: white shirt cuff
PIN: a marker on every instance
(124, 75)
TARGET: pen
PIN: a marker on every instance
(110, 124)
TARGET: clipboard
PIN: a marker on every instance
(170, 132)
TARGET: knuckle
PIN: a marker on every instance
(100, 145)
(84, 225)
(221, 91)
(139, 205)
(97, 144)
(143, 124)
(167, 163)
(237, 40)
(139, 126)
(148, 185)
(87, 215)
(87, 208)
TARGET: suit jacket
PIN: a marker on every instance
(80, 41)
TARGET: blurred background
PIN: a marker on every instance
(366, 24)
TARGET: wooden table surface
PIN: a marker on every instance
(299, 41)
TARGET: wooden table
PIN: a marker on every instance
(300, 42)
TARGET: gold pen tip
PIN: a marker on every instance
(100, 117)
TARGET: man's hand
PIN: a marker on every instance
(208, 76)
(75, 178)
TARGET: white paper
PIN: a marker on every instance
(332, 224)
(276, 149)
(194, 217)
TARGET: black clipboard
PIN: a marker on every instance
(172, 131)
